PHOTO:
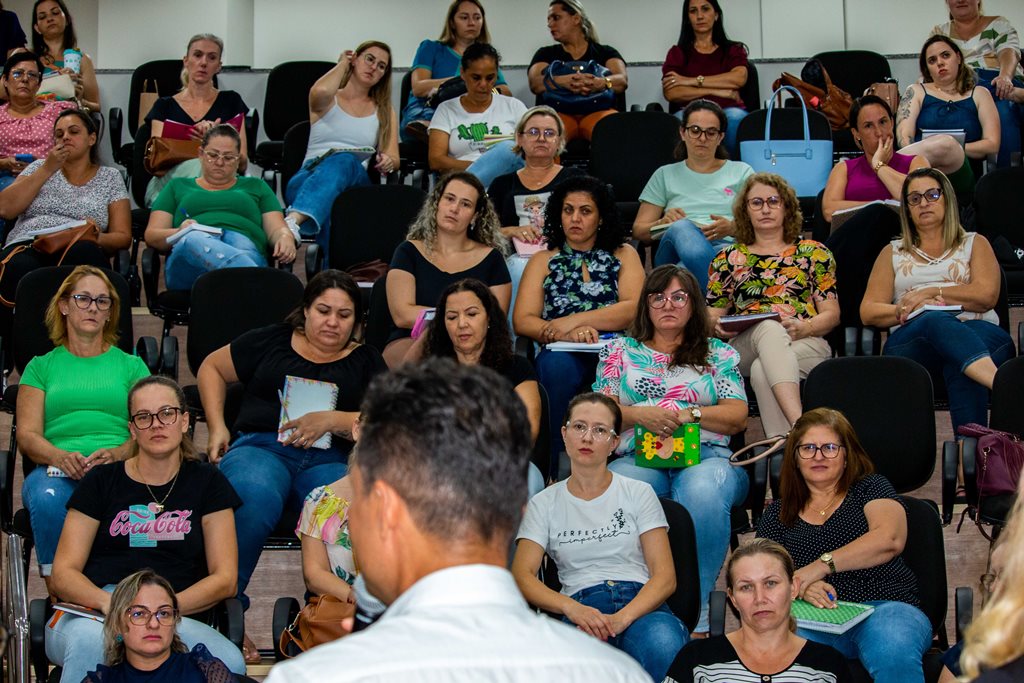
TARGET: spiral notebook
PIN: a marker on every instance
(836, 620)
(301, 396)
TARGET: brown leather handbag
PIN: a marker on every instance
(53, 243)
(319, 622)
(834, 103)
(888, 91)
(163, 154)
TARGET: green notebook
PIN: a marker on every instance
(682, 449)
(838, 620)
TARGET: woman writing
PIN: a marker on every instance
(614, 586)
(664, 373)
(53, 34)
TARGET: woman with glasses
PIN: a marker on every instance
(220, 219)
(688, 205)
(665, 373)
(161, 508)
(614, 583)
(771, 270)
(141, 641)
(71, 411)
(935, 263)
(845, 528)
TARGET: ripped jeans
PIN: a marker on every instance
(200, 252)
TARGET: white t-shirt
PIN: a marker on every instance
(698, 194)
(466, 131)
(594, 540)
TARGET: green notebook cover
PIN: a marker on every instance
(842, 618)
(682, 449)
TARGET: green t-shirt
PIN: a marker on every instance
(86, 404)
(698, 194)
(239, 208)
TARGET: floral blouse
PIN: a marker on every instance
(566, 293)
(637, 375)
(325, 517)
(791, 283)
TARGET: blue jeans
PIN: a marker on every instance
(200, 252)
(1011, 117)
(267, 475)
(685, 244)
(945, 345)
(312, 192)
(563, 375)
(76, 644)
(46, 499)
(653, 640)
(708, 491)
(496, 161)
(890, 643)
(733, 115)
(516, 265)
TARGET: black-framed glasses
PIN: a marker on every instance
(757, 203)
(546, 133)
(22, 74)
(214, 156)
(828, 450)
(140, 616)
(597, 432)
(84, 301)
(694, 132)
(931, 196)
(167, 416)
(678, 298)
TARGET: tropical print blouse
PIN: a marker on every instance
(325, 516)
(791, 283)
(566, 293)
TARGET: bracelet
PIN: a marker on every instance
(940, 291)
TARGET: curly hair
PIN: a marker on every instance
(498, 341)
(485, 227)
(793, 220)
(964, 74)
(694, 349)
(611, 233)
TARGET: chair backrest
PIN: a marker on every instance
(287, 95)
(378, 317)
(405, 89)
(855, 70)
(787, 124)
(925, 554)
(870, 391)
(750, 93)
(164, 73)
(1008, 397)
(369, 222)
(228, 302)
(627, 148)
(296, 140)
(685, 601)
(999, 204)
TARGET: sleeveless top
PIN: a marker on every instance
(337, 129)
(566, 293)
(954, 268)
(938, 114)
(863, 185)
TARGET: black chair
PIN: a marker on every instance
(378, 317)
(414, 152)
(750, 93)
(998, 206)
(293, 151)
(853, 71)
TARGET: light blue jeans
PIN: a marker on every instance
(496, 161)
(314, 188)
(708, 491)
(890, 643)
(267, 475)
(733, 115)
(46, 499)
(685, 244)
(200, 252)
(516, 265)
(653, 640)
(76, 644)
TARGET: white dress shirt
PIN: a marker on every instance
(466, 623)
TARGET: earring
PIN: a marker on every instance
(119, 638)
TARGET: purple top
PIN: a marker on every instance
(862, 185)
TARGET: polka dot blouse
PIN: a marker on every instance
(33, 135)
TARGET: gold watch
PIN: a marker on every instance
(700, 81)
(608, 82)
(827, 559)
(695, 414)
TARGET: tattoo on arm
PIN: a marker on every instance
(903, 113)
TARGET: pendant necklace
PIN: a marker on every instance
(158, 503)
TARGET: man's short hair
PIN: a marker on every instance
(454, 442)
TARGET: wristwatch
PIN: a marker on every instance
(878, 165)
(827, 559)
(608, 82)
(700, 81)
(695, 414)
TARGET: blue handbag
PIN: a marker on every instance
(805, 164)
(564, 100)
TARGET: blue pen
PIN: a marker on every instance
(830, 596)
(608, 335)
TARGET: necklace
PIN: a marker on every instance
(159, 503)
(831, 500)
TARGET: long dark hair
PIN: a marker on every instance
(693, 350)
(70, 39)
(723, 125)
(498, 342)
(611, 233)
(965, 79)
(687, 37)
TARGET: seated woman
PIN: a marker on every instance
(243, 208)
(53, 34)
(576, 41)
(935, 262)
(854, 185)
(474, 132)
(706, 65)
(270, 464)
(141, 642)
(614, 586)
(693, 198)
(436, 61)
(349, 107)
(947, 99)
(759, 583)
(198, 105)
(771, 270)
(665, 373)
(72, 413)
(992, 48)
(127, 516)
(68, 185)
(587, 282)
(455, 236)
(845, 527)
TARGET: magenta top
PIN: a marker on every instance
(862, 185)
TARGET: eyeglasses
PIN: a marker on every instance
(757, 203)
(167, 415)
(828, 450)
(547, 133)
(30, 76)
(695, 132)
(373, 61)
(933, 195)
(140, 616)
(660, 300)
(597, 432)
(214, 157)
(83, 301)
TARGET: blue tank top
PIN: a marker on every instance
(938, 114)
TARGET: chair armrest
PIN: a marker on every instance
(252, 131)
(285, 610)
(229, 619)
(150, 273)
(758, 474)
(115, 126)
(146, 349)
(716, 614)
(964, 607)
(38, 613)
(950, 466)
(169, 357)
(654, 106)
(7, 489)
(1020, 338)
(314, 260)
(969, 463)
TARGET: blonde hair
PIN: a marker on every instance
(575, 8)
(122, 598)
(57, 326)
(485, 227)
(192, 41)
(379, 93)
(953, 232)
(540, 110)
(448, 35)
(187, 449)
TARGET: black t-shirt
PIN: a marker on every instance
(264, 357)
(517, 370)
(714, 660)
(510, 197)
(1007, 673)
(131, 536)
(595, 51)
(892, 580)
(227, 106)
(11, 33)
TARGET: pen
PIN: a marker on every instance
(607, 335)
(830, 596)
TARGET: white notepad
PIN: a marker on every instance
(301, 396)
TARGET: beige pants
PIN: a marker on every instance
(768, 357)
